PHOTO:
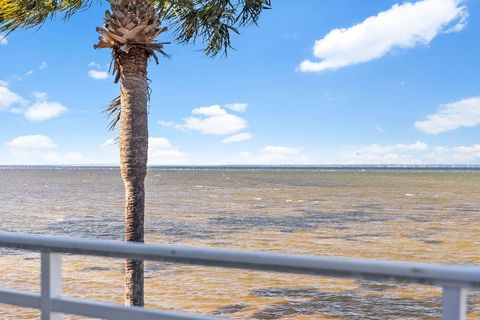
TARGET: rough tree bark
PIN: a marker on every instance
(133, 159)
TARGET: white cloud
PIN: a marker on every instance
(108, 143)
(455, 155)
(272, 155)
(8, 98)
(402, 26)
(161, 152)
(44, 110)
(40, 96)
(244, 136)
(41, 110)
(390, 154)
(94, 64)
(412, 154)
(37, 149)
(213, 120)
(24, 76)
(463, 113)
(167, 123)
(31, 142)
(98, 75)
(379, 129)
(3, 40)
(42, 66)
(469, 151)
(238, 106)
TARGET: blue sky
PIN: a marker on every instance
(318, 82)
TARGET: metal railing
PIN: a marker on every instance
(454, 280)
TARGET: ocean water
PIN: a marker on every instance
(417, 214)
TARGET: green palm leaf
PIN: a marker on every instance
(211, 21)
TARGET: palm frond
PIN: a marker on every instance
(113, 111)
(251, 10)
(211, 21)
(16, 14)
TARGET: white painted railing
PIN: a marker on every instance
(453, 279)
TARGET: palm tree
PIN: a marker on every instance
(130, 30)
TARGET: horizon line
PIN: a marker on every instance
(312, 166)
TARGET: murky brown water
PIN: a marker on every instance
(413, 215)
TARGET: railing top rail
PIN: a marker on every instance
(439, 274)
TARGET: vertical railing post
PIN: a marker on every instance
(454, 303)
(51, 283)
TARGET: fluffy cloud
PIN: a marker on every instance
(42, 109)
(98, 75)
(31, 142)
(402, 26)
(167, 123)
(272, 155)
(463, 113)
(213, 120)
(8, 98)
(412, 154)
(238, 106)
(244, 136)
(455, 155)
(94, 65)
(40, 96)
(42, 66)
(390, 154)
(40, 149)
(161, 152)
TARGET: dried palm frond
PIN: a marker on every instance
(113, 111)
(130, 24)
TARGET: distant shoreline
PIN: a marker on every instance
(260, 167)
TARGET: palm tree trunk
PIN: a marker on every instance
(133, 160)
